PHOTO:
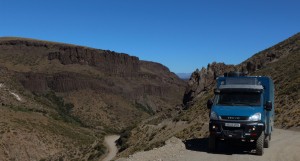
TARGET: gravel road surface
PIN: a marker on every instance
(284, 146)
(111, 145)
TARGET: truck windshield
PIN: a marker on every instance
(239, 98)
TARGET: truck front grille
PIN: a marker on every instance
(233, 134)
(233, 128)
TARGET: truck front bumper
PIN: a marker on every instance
(244, 131)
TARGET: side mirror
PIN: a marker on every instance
(269, 106)
(209, 103)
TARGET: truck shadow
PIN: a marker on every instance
(201, 145)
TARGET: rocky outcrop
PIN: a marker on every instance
(203, 80)
(35, 82)
(62, 82)
(108, 62)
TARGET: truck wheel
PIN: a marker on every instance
(260, 144)
(212, 143)
(267, 142)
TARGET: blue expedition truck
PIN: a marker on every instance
(242, 110)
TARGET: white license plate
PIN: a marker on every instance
(232, 124)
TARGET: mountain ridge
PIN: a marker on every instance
(88, 91)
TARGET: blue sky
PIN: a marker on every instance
(181, 34)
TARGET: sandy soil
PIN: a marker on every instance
(285, 146)
(111, 145)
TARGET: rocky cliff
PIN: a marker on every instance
(203, 80)
(44, 66)
(108, 62)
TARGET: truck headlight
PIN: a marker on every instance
(255, 117)
(213, 116)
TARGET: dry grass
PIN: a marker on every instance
(31, 125)
(286, 75)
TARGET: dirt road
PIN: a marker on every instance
(285, 146)
(111, 145)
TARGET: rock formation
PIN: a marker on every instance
(203, 80)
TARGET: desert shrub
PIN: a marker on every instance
(144, 108)
(122, 141)
(152, 136)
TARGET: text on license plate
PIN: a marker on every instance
(232, 124)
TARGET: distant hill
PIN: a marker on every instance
(184, 76)
(71, 96)
(280, 62)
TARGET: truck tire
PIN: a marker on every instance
(267, 142)
(260, 144)
(212, 144)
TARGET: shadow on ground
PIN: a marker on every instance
(226, 148)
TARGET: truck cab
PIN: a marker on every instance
(242, 110)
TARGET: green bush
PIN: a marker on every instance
(63, 109)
